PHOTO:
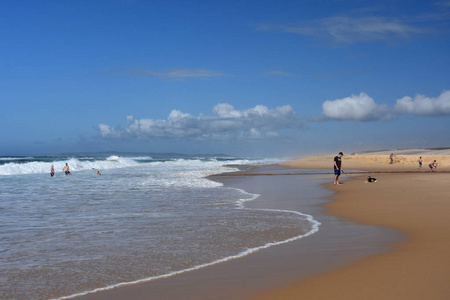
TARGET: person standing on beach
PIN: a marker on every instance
(66, 169)
(337, 167)
(420, 162)
(52, 171)
(433, 166)
(391, 157)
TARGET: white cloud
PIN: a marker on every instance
(106, 130)
(363, 108)
(227, 123)
(356, 107)
(347, 30)
(422, 105)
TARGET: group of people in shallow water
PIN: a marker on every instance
(66, 170)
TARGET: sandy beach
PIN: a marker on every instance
(383, 240)
(416, 203)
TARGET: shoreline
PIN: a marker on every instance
(241, 204)
(414, 202)
(274, 266)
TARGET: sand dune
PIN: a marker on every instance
(419, 152)
(373, 162)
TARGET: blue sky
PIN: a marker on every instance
(235, 77)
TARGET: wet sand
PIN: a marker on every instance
(413, 201)
(338, 242)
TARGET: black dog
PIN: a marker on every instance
(371, 179)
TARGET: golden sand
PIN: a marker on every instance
(418, 204)
(373, 162)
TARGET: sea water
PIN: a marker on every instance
(146, 217)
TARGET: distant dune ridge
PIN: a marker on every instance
(431, 151)
(404, 160)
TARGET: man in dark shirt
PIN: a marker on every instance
(337, 167)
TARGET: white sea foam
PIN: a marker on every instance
(314, 228)
(36, 167)
(158, 189)
(200, 168)
(113, 158)
(14, 158)
(184, 173)
(142, 158)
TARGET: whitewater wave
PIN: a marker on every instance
(183, 173)
(39, 167)
(14, 158)
(194, 169)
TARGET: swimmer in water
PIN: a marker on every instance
(66, 169)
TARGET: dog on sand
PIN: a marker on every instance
(371, 179)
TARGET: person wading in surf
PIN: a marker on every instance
(66, 169)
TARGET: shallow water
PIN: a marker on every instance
(143, 218)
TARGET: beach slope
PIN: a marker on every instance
(413, 201)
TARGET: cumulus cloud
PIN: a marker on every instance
(347, 30)
(363, 108)
(226, 123)
(106, 130)
(422, 105)
(356, 107)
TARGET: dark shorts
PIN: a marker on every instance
(337, 172)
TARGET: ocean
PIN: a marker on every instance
(146, 217)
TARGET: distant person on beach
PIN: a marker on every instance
(52, 171)
(433, 166)
(337, 167)
(391, 157)
(66, 169)
(420, 162)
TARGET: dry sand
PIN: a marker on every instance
(417, 204)
(376, 163)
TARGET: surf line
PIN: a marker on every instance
(240, 205)
(324, 173)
